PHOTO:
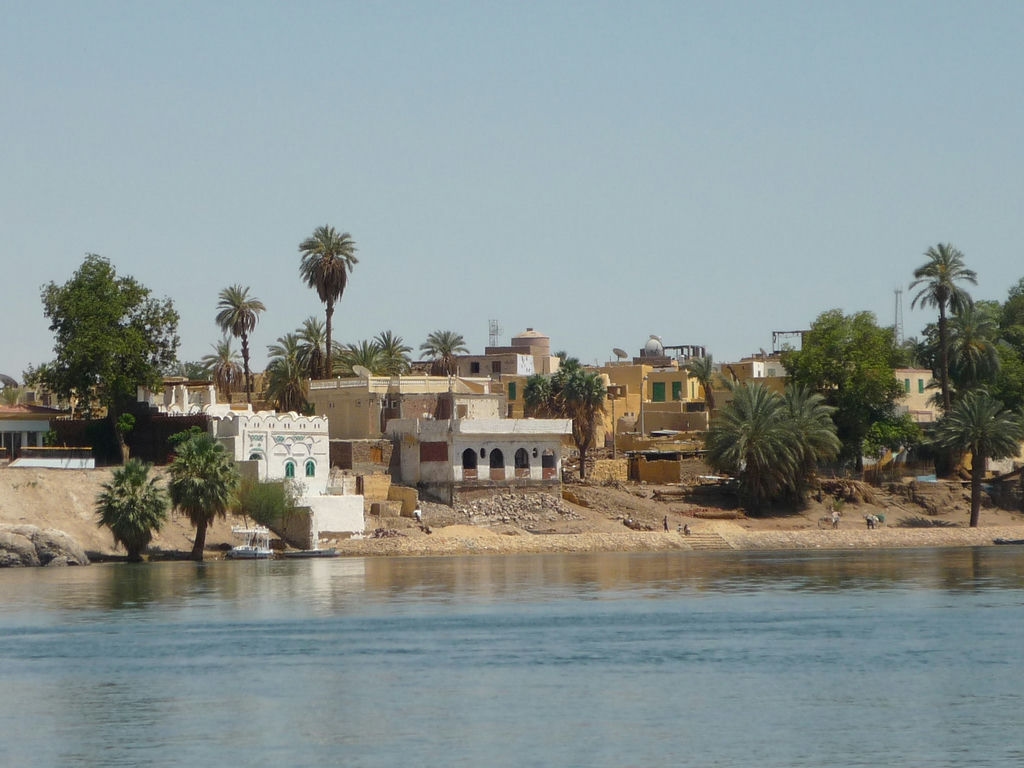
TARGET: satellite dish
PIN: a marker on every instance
(361, 371)
(620, 353)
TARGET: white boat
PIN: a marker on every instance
(255, 546)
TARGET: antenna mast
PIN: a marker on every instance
(494, 331)
(897, 327)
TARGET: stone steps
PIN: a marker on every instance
(706, 540)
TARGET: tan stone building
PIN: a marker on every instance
(360, 408)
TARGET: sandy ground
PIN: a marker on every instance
(65, 500)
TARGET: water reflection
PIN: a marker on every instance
(294, 587)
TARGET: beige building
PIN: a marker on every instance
(360, 408)
(916, 394)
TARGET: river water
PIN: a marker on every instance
(907, 658)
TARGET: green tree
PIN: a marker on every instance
(752, 439)
(238, 314)
(395, 353)
(571, 393)
(581, 396)
(285, 384)
(938, 283)
(224, 365)
(133, 506)
(312, 347)
(203, 482)
(111, 337)
(366, 354)
(703, 370)
(327, 259)
(973, 357)
(849, 361)
(537, 396)
(814, 431)
(978, 423)
(441, 348)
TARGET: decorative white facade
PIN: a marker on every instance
(284, 446)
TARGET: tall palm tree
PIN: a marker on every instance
(133, 506)
(582, 397)
(703, 370)
(203, 483)
(441, 348)
(366, 354)
(238, 315)
(938, 286)
(327, 258)
(285, 374)
(973, 357)
(225, 367)
(752, 438)
(979, 424)
(312, 347)
(395, 353)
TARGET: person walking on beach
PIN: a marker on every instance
(665, 522)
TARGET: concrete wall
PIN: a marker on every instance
(336, 516)
(353, 454)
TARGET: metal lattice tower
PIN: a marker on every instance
(494, 331)
(897, 327)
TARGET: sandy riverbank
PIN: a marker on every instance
(593, 521)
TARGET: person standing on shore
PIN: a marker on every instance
(835, 518)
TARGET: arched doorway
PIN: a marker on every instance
(497, 462)
(469, 464)
(549, 464)
(522, 463)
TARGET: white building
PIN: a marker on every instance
(451, 458)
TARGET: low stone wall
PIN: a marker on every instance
(610, 471)
(374, 487)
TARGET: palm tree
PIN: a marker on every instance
(811, 420)
(395, 353)
(238, 315)
(537, 395)
(441, 348)
(366, 354)
(979, 424)
(133, 506)
(285, 374)
(752, 438)
(327, 258)
(203, 483)
(224, 366)
(582, 397)
(938, 280)
(312, 347)
(973, 357)
(703, 370)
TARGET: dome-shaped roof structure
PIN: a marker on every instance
(654, 347)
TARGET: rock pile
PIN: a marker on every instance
(523, 510)
(28, 545)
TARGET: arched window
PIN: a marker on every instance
(289, 469)
(255, 457)
(310, 468)
(469, 459)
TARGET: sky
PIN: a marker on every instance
(709, 172)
